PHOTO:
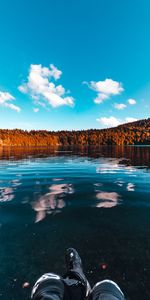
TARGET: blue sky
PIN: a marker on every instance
(74, 64)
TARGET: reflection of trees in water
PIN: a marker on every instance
(53, 201)
(128, 155)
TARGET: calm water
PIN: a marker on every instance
(96, 200)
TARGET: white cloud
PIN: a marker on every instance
(113, 122)
(4, 97)
(23, 89)
(131, 101)
(55, 72)
(105, 89)
(12, 106)
(5, 100)
(35, 109)
(119, 106)
(100, 98)
(128, 120)
(109, 122)
(40, 86)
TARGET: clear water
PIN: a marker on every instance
(96, 200)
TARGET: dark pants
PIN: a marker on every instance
(53, 287)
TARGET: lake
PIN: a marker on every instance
(95, 199)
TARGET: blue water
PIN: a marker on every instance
(96, 200)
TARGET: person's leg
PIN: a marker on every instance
(48, 286)
(75, 270)
(72, 286)
(106, 290)
(53, 287)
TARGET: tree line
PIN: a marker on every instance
(127, 134)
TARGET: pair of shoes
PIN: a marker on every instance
(105, 289)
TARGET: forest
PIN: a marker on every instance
(134, 133)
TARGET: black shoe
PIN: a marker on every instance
(75, 269)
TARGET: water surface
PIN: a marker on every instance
(94, 199)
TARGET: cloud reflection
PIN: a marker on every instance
(119, 182)
(52, 202)
(16, 182)
(58, 179)
(98, 184)
(115, 167)
(6, 194)
(108, 199)
(130, 187)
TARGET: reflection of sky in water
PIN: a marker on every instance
(114, 168)
(6, 194)
(108, 199)
(48, 185)
(130, 187)
(51, 202)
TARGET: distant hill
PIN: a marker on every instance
(137, 124)
(126, 134)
